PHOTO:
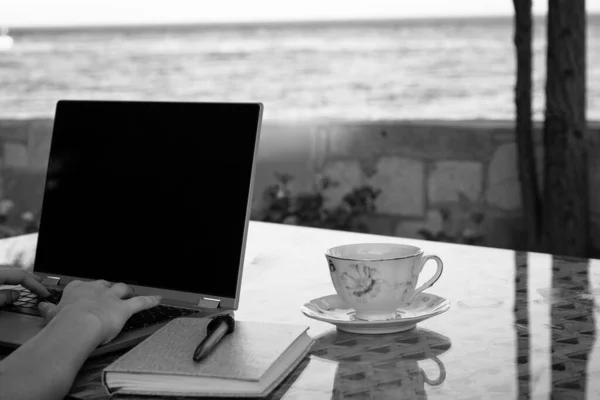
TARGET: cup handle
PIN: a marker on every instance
(441, 378)
(435, 277)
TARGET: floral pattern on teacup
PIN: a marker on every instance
(401, 289)
(331, 266)
(363, 282)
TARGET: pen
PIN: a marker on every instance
(217, 328)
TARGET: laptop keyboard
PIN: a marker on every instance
(27, 304)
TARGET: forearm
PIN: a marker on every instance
(45, 366)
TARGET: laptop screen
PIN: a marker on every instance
(147, 193)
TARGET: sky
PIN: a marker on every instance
(101, 12)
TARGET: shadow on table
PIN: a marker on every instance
(572, 326)
(386, 366)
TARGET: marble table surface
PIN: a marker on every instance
(521, 325)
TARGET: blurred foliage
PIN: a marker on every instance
(309, 208)
(12, 225)
(460, 223)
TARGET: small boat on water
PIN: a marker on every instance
(6, 41)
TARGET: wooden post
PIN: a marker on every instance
(523, 127)
(566, 215)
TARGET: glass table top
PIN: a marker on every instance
(520, 325)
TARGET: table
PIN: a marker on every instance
(521, 325)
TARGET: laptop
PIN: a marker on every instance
(153, 194)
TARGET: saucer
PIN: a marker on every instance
(333, 310)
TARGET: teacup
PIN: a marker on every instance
(376, 279)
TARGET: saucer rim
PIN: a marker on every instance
(445, 306)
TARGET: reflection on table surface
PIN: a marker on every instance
(379, 366)
(521, 325)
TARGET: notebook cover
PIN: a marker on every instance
(245, 354)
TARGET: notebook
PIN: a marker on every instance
(153, 194)
(249, 362)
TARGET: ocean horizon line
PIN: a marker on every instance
(276, 24)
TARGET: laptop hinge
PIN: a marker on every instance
(207, 302)
(51, 281)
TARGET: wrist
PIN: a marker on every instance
(83, 324)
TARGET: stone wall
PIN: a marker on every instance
(465, 171)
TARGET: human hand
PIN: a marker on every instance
(15, 276)
(111, 304)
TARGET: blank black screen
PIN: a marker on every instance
(148, 193)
